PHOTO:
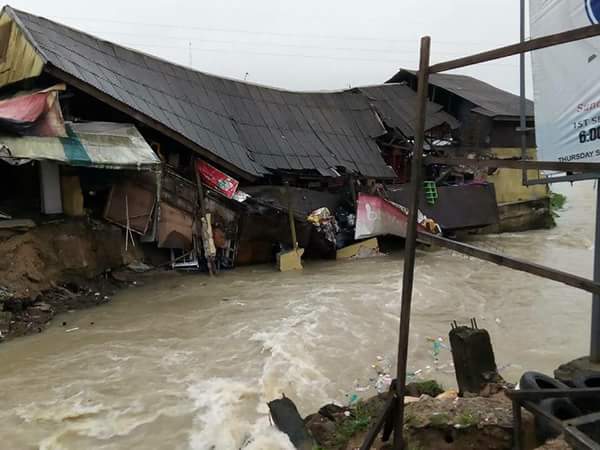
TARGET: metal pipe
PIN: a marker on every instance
(584, 167)
(411, 239)
(564, 179)
(595, 335)
(523, 103)
(517, 425)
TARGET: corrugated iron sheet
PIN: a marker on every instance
(94, 144)
(489, 100)
(255, 128)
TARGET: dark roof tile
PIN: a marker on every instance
(248, 126)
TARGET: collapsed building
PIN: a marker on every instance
(489, 119)
(183, 126)
(200, 167)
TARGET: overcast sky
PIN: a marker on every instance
(300, 45)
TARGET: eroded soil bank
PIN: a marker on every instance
(57, 267)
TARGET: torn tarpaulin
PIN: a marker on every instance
(33, 114)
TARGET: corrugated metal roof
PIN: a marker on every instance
(93, 144)
(490, 100)
(254, 128)
(397, 106)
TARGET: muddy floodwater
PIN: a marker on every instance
(190, 362)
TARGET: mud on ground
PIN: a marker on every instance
(54, 268)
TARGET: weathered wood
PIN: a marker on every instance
(288, 420)
(513, 263)
(585, 167)
(516, 49)
(205, 236)
(411, 240)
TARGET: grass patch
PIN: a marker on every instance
(359, 421)
(439, 420)
(429, 387)
(468, 419)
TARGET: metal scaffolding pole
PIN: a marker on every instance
(595, 335)
(523, 103)
(411, 240)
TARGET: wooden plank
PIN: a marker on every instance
(411, 240)
(513, 263)
(516, 164)
(516, 49)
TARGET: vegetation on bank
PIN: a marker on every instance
(557, 201)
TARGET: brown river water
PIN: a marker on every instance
(190, 362)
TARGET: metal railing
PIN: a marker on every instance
(425, 69)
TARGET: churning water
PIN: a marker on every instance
(189, 362)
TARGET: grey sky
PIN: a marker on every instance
(301, 45)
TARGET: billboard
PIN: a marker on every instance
(566, 82)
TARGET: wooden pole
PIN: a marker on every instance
(411, 239)
(210, 263)
(515, 49)
(513, 263)
(291, 217)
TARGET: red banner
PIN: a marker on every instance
(217, 180)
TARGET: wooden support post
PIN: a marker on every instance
(411, 239)
(291, 217)
(210, 260)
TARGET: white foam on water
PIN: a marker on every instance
(81, 416)
(224, 418)
(290, 367)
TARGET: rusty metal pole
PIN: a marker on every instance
(523, 100)
(411, 238)
(595, 339)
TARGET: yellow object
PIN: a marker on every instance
(18, 60)
(369, 246)
(508, 182)
(72, 197)
(290, 260)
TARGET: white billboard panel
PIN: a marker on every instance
(566, 82)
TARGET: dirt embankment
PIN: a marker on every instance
(439, 422)
(54, 268)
